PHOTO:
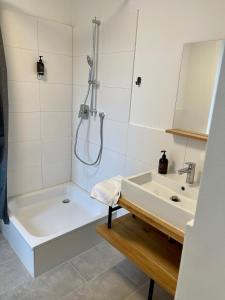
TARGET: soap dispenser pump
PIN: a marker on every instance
(163, 163)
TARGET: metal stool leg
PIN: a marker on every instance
(111, 210)
(110, 217)
(151, 289)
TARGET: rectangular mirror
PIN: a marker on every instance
(199, 75)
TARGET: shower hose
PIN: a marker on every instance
(101, 116)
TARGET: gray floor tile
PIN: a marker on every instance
(140, 294)
(100, 273)
(49, 286)
(15, 293)
(12, 274)
(96, 260)
(6, 252)
(132, 272)
(110, 285)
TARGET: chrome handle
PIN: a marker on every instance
(190, 165)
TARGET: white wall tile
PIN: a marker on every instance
(79, 174)
(196, 151)
(86, 151)
(79, 94)
(58, 68)
(25, 126)
(19, 30)
(82, 40)
(145, 144)
(24, 154)
(112, 164)
(118, 32)
(80, 70)
(57, 10)
(115, 141)
(134, 167)
(55, 37)
(23, 97)
(55, 125)
(24, 180)
(56, 173)
(115, 70)
(28, 96)
(55, 97)
(115, 103)
(84, 130)
(56, 151)
(21, 64)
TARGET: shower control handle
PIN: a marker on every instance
(84, 111)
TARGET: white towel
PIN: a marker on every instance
(108, 191)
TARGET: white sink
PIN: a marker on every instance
(153, 192)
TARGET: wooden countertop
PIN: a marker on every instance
(153, 220)
(147, 247)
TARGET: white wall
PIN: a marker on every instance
(39, 111)
(56, 10)
(202, 270)
(133, 138)
(117, 43)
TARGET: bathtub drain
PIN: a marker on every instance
(66, 201)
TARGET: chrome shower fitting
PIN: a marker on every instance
(88, 111)
(97, 22)
(93, 82)
(90, 61)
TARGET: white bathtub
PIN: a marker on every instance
(44, 231)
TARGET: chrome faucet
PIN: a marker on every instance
(190, 171)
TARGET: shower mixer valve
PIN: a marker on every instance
(84, 111)
(93, 82)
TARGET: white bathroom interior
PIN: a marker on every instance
(117, 75)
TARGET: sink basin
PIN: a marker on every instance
(165, 196)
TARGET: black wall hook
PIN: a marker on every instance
(138, 81)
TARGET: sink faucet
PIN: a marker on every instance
(190, 171)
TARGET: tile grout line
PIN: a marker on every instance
(74, 267)
(39, 97)
(34, 50)
(99, 274)
(127, 276)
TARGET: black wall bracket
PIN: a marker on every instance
(138, 81)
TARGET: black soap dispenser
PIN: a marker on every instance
(40, 68)
(163, 163)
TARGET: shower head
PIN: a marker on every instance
(89, 61)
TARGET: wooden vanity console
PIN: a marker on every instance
(143, 238)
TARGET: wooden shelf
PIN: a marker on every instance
(146, 247)
(190, 134)
(154, 221)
